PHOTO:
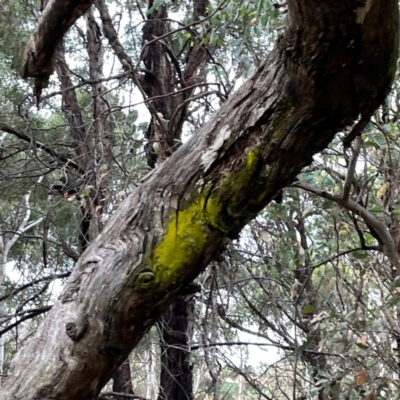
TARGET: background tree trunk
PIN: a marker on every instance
(176, 373)
(122, 379)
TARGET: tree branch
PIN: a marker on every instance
(31, 314)
(35, 282)
(279, 346)
(123, 396)
(388, 245)
(351, 168)
(44, 147)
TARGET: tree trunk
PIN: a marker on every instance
(122, 379)
(335, 62)
(176, 372)
(161, 65)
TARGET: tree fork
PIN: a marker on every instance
(335, 62)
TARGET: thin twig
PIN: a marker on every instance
(42, 146)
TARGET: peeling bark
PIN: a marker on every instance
(326, 70)
(57, 17)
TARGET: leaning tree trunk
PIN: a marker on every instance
(335, 62)
(171, 102)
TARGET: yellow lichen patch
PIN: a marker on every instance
(187, 231)
(252, 159)
(233, 186)
(184, 239)
(213, 214)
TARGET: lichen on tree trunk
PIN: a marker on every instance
(334, 63)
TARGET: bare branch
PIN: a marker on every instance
(56, 19)
(277, 345)
(44, 147)
(35, 282)
(124, 396)
(388, 247)
(352, 168)
(31, 314)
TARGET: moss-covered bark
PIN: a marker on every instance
(334, 63)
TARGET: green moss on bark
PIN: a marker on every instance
(187, 231)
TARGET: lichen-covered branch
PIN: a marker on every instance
(335, 62)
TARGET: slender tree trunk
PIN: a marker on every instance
(122, 379)
(5, 246)
(176, 373)
(3, 308)
(103, 131)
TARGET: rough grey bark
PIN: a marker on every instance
(57, 17)
(335, 62)
(166, 79)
